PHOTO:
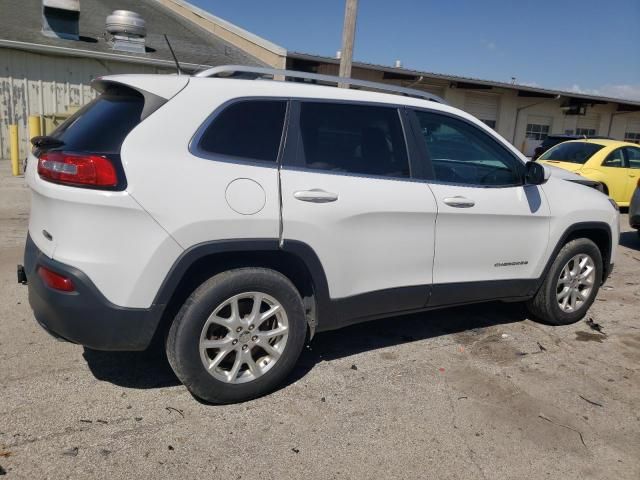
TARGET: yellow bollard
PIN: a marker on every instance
(34, 126)
(15, 151)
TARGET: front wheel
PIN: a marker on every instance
(238, 335)
(570, 286)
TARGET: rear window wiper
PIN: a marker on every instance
(46, 141)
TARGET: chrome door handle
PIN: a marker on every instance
(459, 202)
(315, 195)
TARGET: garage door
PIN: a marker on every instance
(632, 131)
(537, 129)
(484, 107)
(588, 124)
(439, 91)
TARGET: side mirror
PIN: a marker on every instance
(535, 174)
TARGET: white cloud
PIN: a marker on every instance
(626, 92)
(530, 84)
(489, 44)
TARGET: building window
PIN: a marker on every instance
(588, 132)
(536, 131)
(489, 123)
(632, 137)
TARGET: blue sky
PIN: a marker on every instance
(583, 45)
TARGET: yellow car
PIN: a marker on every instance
(615, 164)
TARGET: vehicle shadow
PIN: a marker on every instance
(388, 332)
(141, 370)
(150, 369)
(630, 240)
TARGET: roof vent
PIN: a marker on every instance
(61, 19)
(126, 31)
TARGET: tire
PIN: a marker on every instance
(274, 353)
(547, 305)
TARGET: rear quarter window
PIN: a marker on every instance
(247, 129)
(102, 125)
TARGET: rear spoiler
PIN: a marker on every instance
(156, 89)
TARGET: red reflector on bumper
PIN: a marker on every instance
(55, 280)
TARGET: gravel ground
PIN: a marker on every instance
(474, 392)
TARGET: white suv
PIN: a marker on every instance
(232, 217)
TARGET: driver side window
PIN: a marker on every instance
(462, 153)
(633, 156)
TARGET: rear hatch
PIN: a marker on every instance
(76, 172)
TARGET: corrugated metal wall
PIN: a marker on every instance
(34, 84)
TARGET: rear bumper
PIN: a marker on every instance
(85, 316)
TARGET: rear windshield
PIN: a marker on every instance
(574, 152)
(102, 125)
(551, 141)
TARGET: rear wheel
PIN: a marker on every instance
(571, 284)
(238, 335)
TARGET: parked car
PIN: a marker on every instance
(615, 164)
(634, 209)
(553, 140)
(237, 218)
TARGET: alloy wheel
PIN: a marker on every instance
(575, 282)
(244, 337)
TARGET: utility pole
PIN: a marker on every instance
(348, 36)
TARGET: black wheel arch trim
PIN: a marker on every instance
(571, 230)
(298, 249)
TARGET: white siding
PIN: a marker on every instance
(589, 121)
(34, 84)
(484, 107)
(540, 120)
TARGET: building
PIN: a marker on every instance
(524, 115)
(50, 50)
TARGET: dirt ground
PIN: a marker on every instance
(475, 392)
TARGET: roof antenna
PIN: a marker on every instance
(173, 54)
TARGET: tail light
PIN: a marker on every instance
(77, 169)
(55, 280)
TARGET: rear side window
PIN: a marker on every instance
(574, 152)
(615, 159)
(102, 125)
(360, 139)
(633, 156)
(249, 129)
